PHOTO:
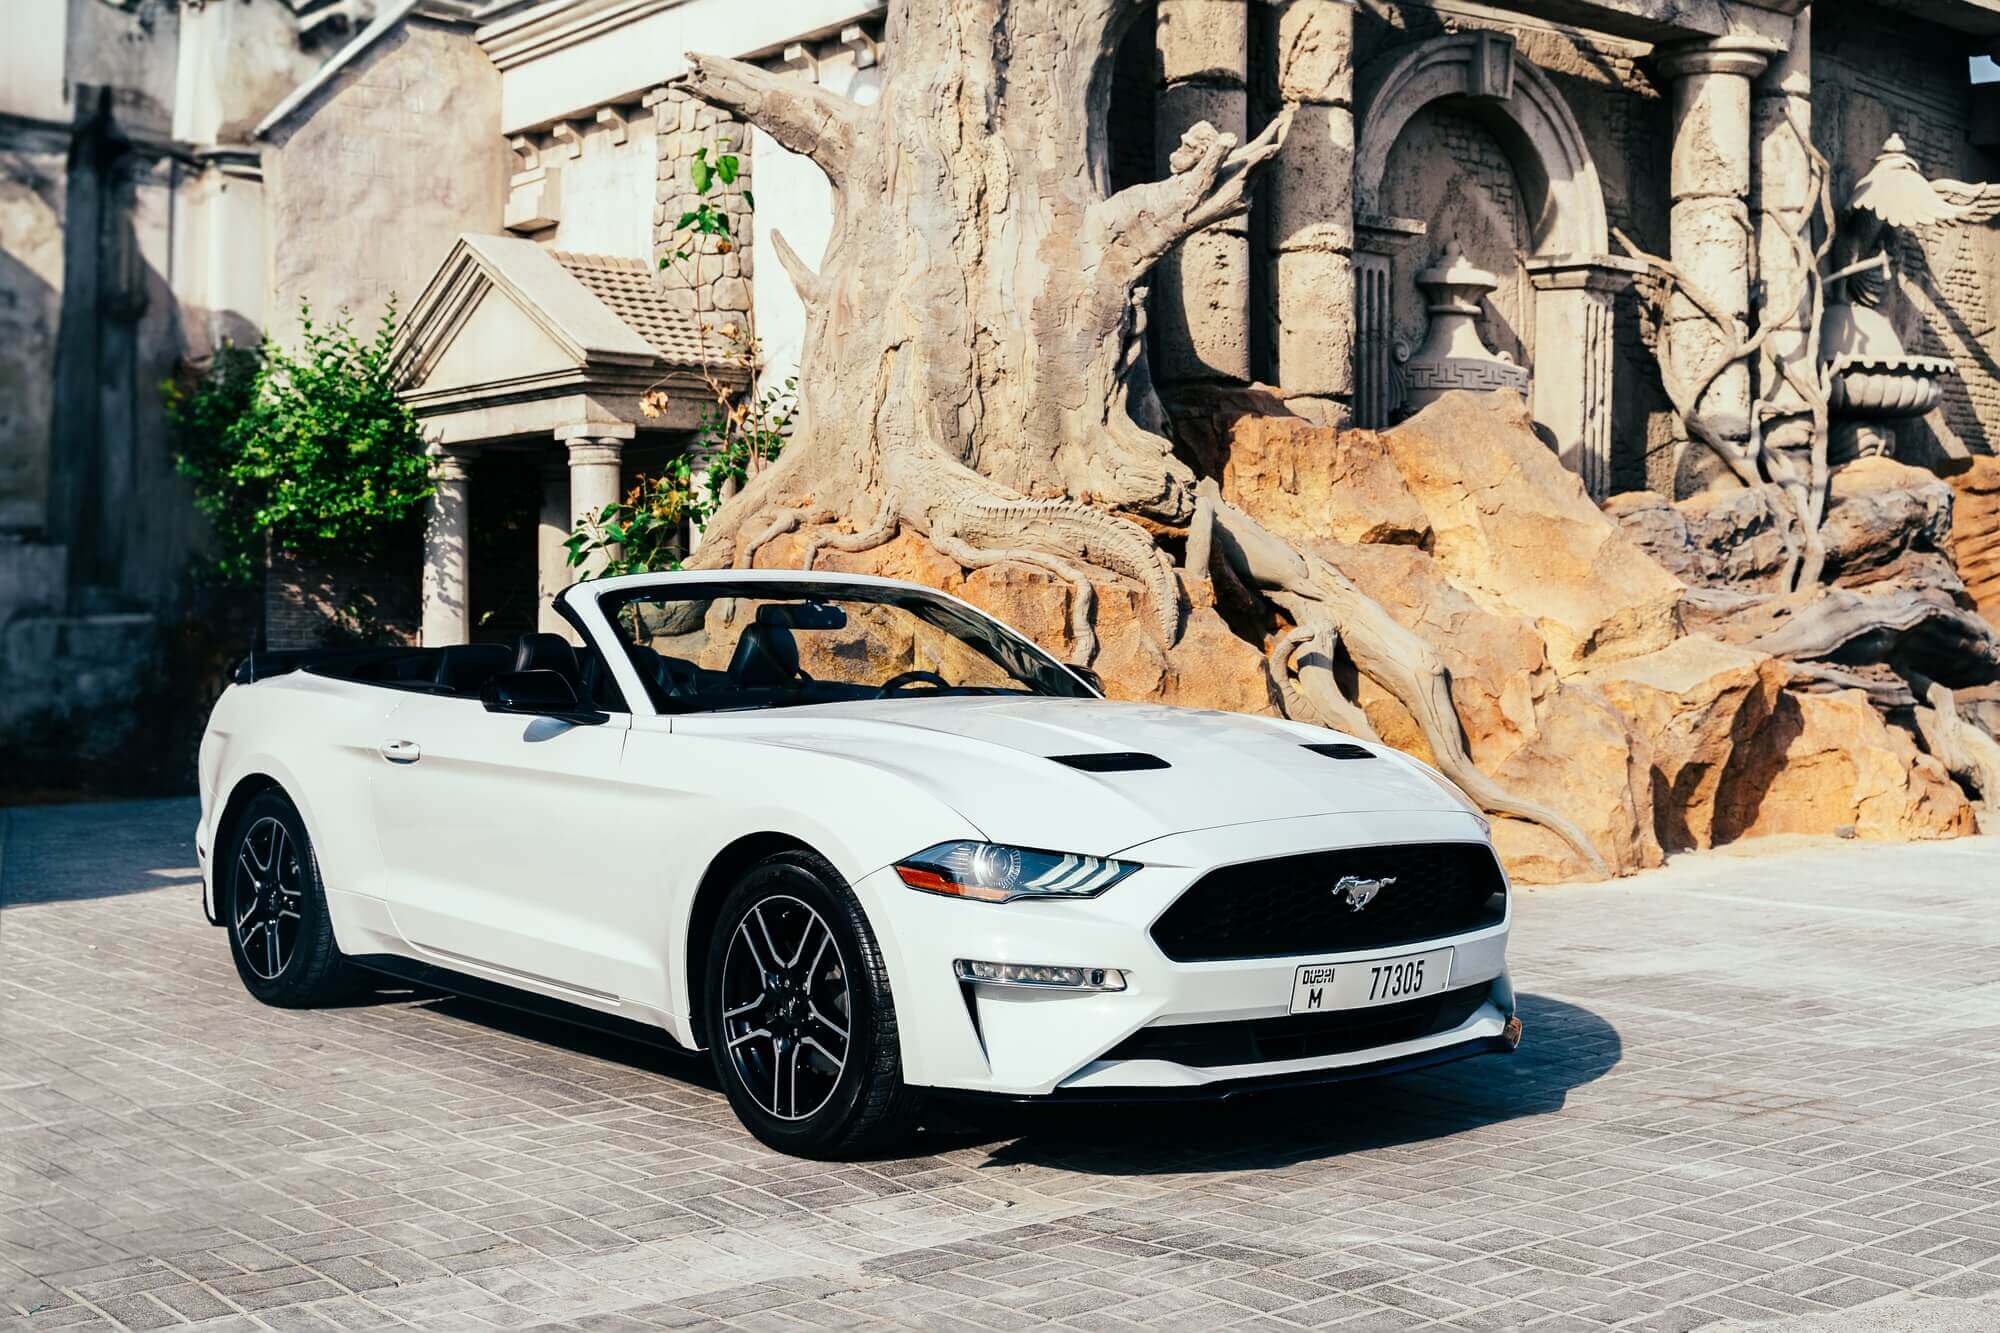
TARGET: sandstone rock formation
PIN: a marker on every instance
(1826, 762)
(1885, 520)
(1697, 703)
(1513, 528)
(1572, 671)
(1975, 533)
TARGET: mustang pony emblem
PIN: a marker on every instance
(1359, 892)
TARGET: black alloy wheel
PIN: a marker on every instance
(799, 1018)
(275, 908)
(268, 898)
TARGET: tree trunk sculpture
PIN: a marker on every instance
(974, 366)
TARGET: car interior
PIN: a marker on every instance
(462, 670)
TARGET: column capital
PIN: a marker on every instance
(606, 431)
(1745, 57)
(1380, 234)
(451, 462)
(595, 452)
(1597, 273)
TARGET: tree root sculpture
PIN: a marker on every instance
(1322, 600)
(1967, 753)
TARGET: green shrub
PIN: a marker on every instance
(310, 453)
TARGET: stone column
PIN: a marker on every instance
(1201, 291)
(594, 456)
(447, 534)
(551, 557)
(1575, 366)
(1708, 233)
(1311, 194)
(1378, 241)
(1781, 194)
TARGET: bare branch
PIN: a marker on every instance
(811, 286)
(1207, 187)
(802, 116)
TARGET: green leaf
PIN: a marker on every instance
(700, 173)
(725, 167)
(749, 199)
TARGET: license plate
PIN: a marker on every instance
(1318, 987)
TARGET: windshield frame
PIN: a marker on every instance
(608, 601)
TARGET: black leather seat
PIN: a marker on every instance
(464, 667)
(766, 657)
(549, 652)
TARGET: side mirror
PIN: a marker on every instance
(1090, 678)
(537, 694)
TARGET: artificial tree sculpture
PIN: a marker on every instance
(974, 366)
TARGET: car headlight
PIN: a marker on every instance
(993, 873)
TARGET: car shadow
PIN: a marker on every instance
(651, 1054)
(1566, 1046)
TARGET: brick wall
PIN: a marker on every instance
(317, 604)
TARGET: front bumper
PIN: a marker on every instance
(1027, 1042)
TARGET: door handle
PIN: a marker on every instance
(402, 752)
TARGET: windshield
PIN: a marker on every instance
(723, 645)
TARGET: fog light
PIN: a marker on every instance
(1036, 974)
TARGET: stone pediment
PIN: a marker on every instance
(506, 321)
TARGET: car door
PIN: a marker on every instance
(500, 833)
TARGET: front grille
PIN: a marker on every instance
(1289, 904)
(1301, 1036)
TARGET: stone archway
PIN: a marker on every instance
(1479, 76)
(1488, 79)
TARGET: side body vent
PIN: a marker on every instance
(1342, 750)
(1116, 761)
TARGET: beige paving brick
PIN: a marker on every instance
(1754, 1087)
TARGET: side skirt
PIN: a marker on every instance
(507, 997)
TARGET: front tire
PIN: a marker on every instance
(798, 1015)
(275, 910)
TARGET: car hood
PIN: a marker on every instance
(991, 760)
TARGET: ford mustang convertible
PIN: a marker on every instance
(860, 842)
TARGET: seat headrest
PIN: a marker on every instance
(546, 652)
(766, 657)
(464, 667)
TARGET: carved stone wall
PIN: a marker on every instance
(1624, 124)
(1875, 74)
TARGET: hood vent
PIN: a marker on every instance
(1115, 761)
(1342, 750)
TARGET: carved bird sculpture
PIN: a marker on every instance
(1896, 193)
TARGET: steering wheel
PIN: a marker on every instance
(902, 678)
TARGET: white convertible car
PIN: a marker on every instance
(859, 841)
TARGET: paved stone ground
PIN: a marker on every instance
(1755, 1088)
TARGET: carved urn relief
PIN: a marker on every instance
(1453, 356)
(1875, 382)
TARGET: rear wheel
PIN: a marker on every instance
(800, 1021)
(279, 932)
